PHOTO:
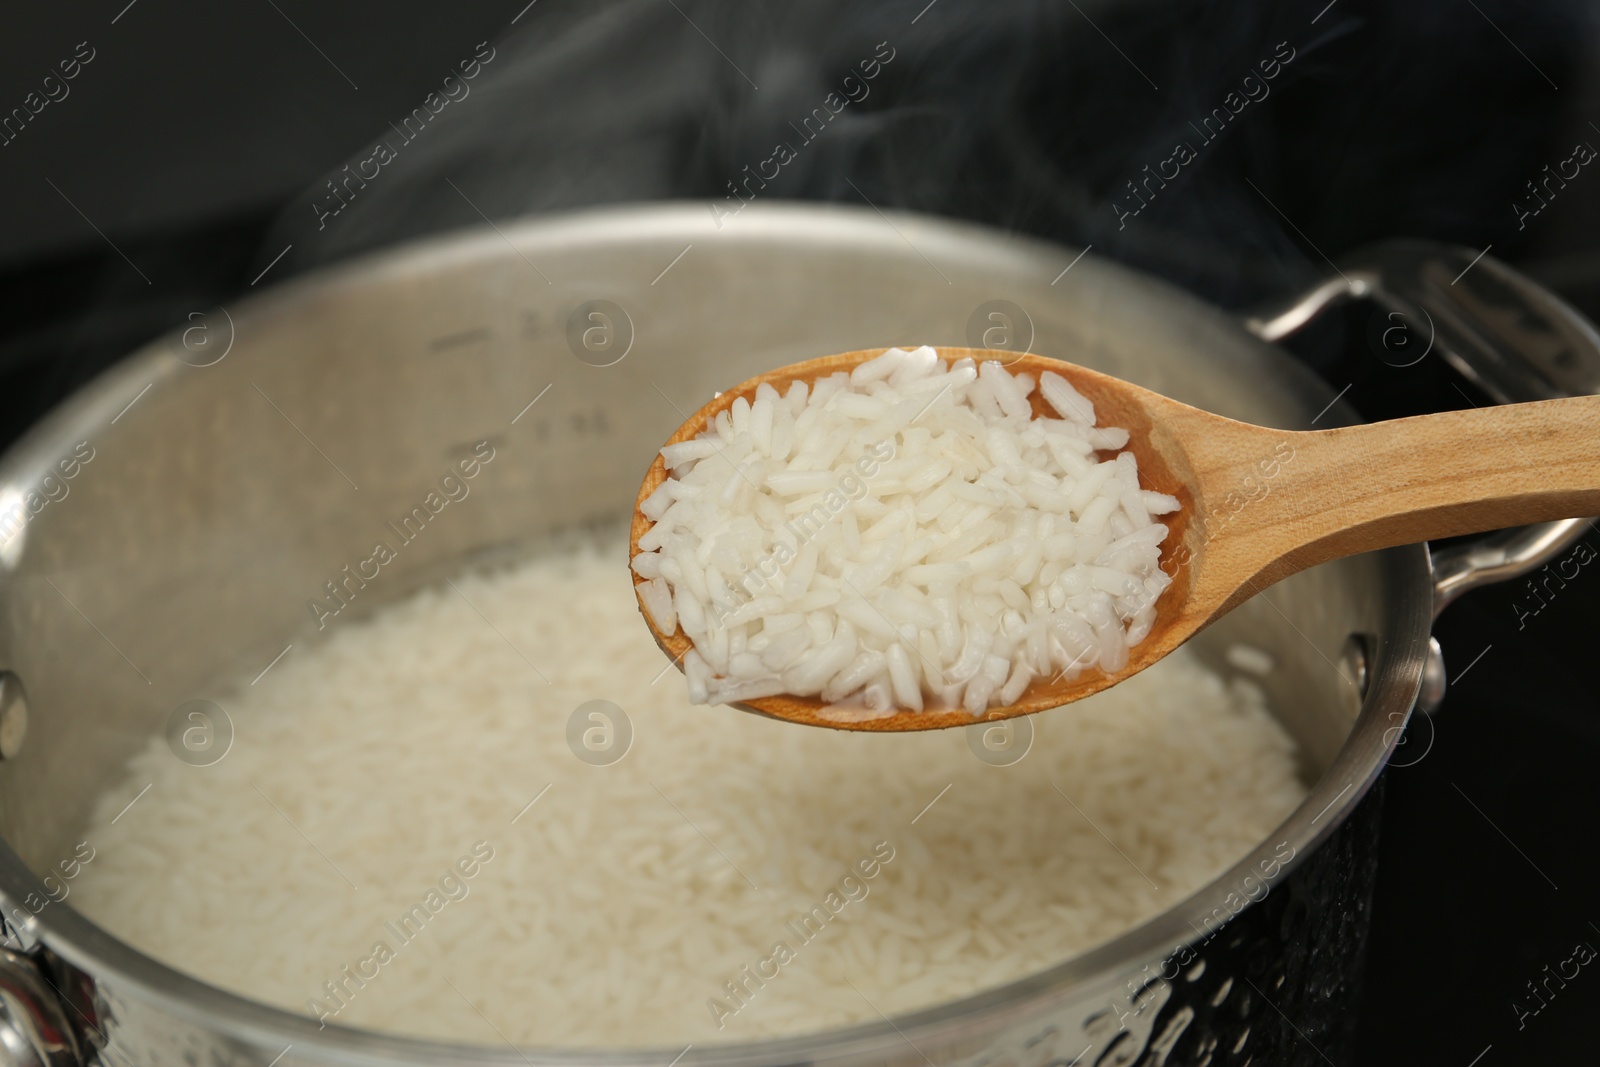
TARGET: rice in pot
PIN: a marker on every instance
(367, 851)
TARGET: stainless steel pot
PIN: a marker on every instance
(237, 465)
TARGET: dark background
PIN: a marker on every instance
(181, 170)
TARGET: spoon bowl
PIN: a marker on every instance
(1256, 504)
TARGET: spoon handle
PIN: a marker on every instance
(1339, 492)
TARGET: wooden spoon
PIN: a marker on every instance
(1257, 504)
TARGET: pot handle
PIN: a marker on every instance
(1511, 337)
(1508, 335)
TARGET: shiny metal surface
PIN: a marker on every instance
(1499, 557)
(1513, 338)
(223, 493)
(34, 1030)
(1434, 679)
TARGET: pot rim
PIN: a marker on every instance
(1395, 673)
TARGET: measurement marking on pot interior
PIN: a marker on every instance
(681, 1055)
(1074, 263)
(131, 803)
(702, 833)
(890, 1021)
(1502, 833)
(1332, 402)
(462, 337)
(1079, 1056)
(274, 263)
(280, 1056)
(896, 229)
(497, 630)
(1332, 802)
(1290, 1021)
(530, 804)
(1471, 665)
(931, 803)
(1479, 1056)
(1474, 263)
(486, 1019)
(499, 231)
(524, 11)
(302, 433)
(1103, 834)
(532, 402)
(99, 631)
(924, 11)
(674, 263)
(273, 664)
(124, 11)
(1324, 11)
(132, 402)
(307, 840)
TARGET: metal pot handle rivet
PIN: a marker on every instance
(1431, 695)
(1355, 662)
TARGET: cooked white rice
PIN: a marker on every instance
(614, 910)
(905, 530)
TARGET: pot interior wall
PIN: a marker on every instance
(187, 552)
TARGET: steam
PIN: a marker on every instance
(1033, 117)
